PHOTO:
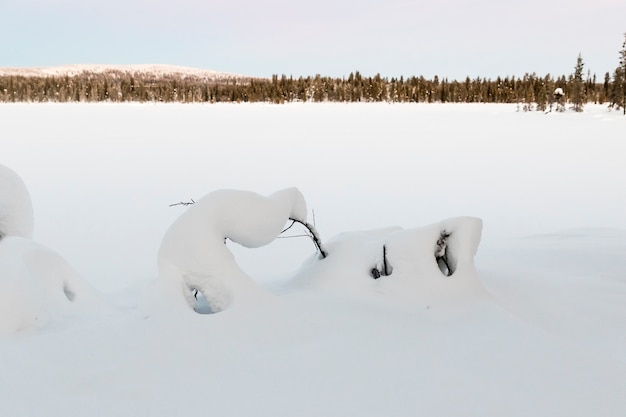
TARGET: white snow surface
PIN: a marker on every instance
(531, 323)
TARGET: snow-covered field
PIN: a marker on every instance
(537, 328)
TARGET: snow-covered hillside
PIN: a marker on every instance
(144, 70)
(475, 261)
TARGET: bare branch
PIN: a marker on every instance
(314, 236)
(288, 227)
(183, 203)
(386, 268)
(289, 237)
(385, 265)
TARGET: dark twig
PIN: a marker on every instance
(183, 203)
(385, 265)
(386, 270)
(289, 237)
(314, 235)
(288, 227)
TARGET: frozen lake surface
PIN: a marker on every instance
(546, 338)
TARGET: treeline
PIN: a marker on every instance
(531, 91)
(117, 86)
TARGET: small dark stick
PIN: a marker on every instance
(183, 203)
(313, 235)
(385, 265)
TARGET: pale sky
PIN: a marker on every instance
(448, 38)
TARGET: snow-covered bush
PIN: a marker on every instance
(194, 260)
(36, 284)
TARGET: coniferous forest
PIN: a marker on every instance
(531, 92)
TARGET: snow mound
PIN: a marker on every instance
(195, 263)
(37, 286)
(427, 265)
(16, 208)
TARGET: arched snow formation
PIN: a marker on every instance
(193, 257)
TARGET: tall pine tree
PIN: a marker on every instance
(622, 68)
(577, 87)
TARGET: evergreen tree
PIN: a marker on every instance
(577, 92)
(606, 88)
(622, 67)
(116, 86)
(617, 91)
(529, 94)
(541, 94)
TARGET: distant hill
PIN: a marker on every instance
(145, 71)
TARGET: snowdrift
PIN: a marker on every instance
(198, 272)
(36, 284)
(420, 266)
(429, 264)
